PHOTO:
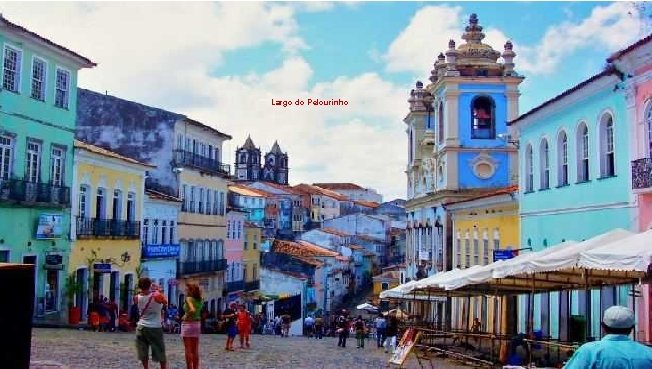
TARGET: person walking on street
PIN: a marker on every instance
(191, 325)
(113, 314)
(149, 330)
(615, 350)
(381, 325)
(319, 327)
(390, 333)
(359, 331)
(244, 326)
(342, 330)
(309, 323)
(229, 315)
(286, 320)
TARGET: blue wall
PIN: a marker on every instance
(467, 179)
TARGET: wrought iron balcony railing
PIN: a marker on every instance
(189, 159)
(235, 286)
(642, 173)
(204, 266)
(93, 227)
(252, 285)
(44, 194)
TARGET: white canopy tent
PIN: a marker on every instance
(629, 254)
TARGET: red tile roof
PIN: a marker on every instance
(368, 238)
(16, 28)
(251, 224)
(108, 153)
(335, 232)
(498, 192)
(369, 204)
(248, 191)
(355, 247)
(160, 196)
(630, 48)
(314, 190)
(338, 186)
(207, 127)
(301, 248)
(610, 70)
(288, 189)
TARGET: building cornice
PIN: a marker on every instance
(578, 209)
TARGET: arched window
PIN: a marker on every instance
(483, 118)
(410, 146)
(582, 153)
(529, 170)
(607, 153)
(544, 164)
(562, 159)
(440, 123)
(648, 125)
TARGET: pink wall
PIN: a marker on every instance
(234, 247)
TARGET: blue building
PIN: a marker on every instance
(575, 184)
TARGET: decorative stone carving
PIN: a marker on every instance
(483, 165)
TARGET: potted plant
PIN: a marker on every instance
(72, 288)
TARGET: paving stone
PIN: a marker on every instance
(75, 349)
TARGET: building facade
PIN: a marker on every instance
(455, 148)
(108, 191)
(38, 101)
(251, 256)
(235, 240)
(160, 241)
(353, 191)
(575, 184)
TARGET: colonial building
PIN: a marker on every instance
(188, 159)
(38, 102)
(455, 151)
(324, 204)
(281, 209)
(251, 256)
(575, 184)
(160, 240)
(353, 191)
(249, 167)
(108, 191)
(235, 239)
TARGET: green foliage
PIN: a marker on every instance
(73, 287)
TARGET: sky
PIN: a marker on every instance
(224, 63)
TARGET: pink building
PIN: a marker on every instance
(234, 252)
(635, 62)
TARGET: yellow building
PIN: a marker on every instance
(251, 256)
(204, 180)
(386, 281)
(482, 225)
(107, 199)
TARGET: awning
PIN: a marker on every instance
(629, 254)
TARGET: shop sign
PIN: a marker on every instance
(161, 251)
(503, 254)
(102, 268)
(49, 227)
(53, 259)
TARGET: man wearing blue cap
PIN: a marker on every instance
(615, 350)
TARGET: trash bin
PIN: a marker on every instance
(16, 285)
(577, 328)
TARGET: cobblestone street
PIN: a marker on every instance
(73, 349)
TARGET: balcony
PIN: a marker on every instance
(252, 285)
(43, 194)
(642, 174)
(189, 159)
(235, 286)
(107, 228)
(204, 266)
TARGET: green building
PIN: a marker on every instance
(37, 127)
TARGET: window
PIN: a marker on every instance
(191, 207)
(11, 68)
(117, 204)
(485, 251)
(482, 113)
(384, 286)
(6, 151)
(529, 170)
(164, 233)
(245, 244)
(83, 201)
(607, 154)
(496, 244)
(582, 153)
(100, 206)
(440, 123)
(33, 164)
(254, 272)
(39, 70)
(476, 252)
(467, 250)
(244, 272)
(544, 162)
(209, 205)
(155, 232)
(215, 203)
(562, 159)
(201, 201)
(63, 89)
(4, 256)
(56, 168)
(228, 229)
(173, 233)
(179, 142)
(131, 206)
(222, 209)
(145, 231)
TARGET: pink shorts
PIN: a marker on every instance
(190, 329)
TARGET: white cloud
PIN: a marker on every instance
(163, 55)
(608, 28)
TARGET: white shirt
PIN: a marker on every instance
(150, 318)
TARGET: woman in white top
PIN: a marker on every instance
(149, 330)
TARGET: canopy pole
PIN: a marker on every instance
(587, 303)
(634, 309)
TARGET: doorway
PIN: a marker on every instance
(114, 286)
(81, 299)
(129, 291)
(31, 259)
